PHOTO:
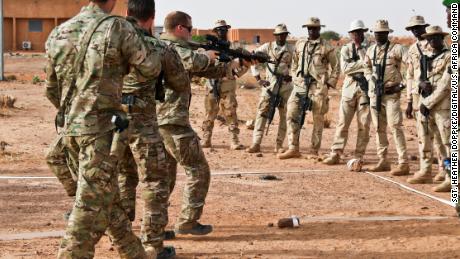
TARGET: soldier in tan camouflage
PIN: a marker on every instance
(281, 51)
(387, 55)
(421, 47)
(92, 120)
(181, 141)
(225, 101)
(355, 98)
(434, 107)
(324, 70)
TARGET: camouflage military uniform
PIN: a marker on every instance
(284, 55)
(353, 101)
(391, 113)
(181, 141)
(324, 69)
(228, 104)
(412, 81)
(88, 128)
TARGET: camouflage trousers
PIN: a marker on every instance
(183, 146)
(348, 108)
(320, 102)
(227, 104)
(438, 122)
(145, 158)
(97, 203)
(390, 115)
(61, 166)
(262, 110)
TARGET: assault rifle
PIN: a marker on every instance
(226, 53)
(364, 85)
(275, 99)
(215, 84)
(379, 90)
(424, 92)
(306, 104)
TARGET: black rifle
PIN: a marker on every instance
(359, 77)
(379, 81)
(423, 92)
(215, 84)
(305, 103)
(226, 53)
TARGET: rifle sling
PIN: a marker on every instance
(384, 61)
(78, 63)
(310, 54)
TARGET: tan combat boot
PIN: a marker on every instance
(206, 141)
(382, 166)
(254, 148)
(444, 186)
(332, 159)
(400, 170)
(279, 149)
(291, 153)
(236, 143)
(420, 178)
(440, 177)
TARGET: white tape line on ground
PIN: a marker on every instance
(216, 173)
(31, 235)
(373, 218)
(413, 190)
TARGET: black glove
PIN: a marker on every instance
(409, 111)
(425, 89)
(424, 110)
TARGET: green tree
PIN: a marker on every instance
(330, 35)
(198, 38)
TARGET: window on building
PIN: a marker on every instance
(35, 26)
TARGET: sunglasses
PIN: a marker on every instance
(189, 28)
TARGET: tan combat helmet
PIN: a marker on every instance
(382, 26)
(357, 25)
(281, 29)
(416, 21)
(434, 30)
(313, 22)
(221, 23)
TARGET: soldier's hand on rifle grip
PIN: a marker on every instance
(263, 83)
(426, 88)
(424, 110)
(409, 110)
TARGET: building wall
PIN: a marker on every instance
(51, 12)
(248, 36)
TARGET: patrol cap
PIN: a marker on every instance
(281, 29)
(313, 22)
(357, 25)
(416, 21)
(434, 30)
(221, 23)
(381, 26)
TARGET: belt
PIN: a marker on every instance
(394, 89)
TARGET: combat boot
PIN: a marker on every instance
(402, 169)
(279, 149)
(420, 178)
(291, 153)
(332, 159)
(254, 148)
(197, 230)
(440, 177)
(206, 141)
(382, 166)
(236, 143)
(168, 252)
(170, 235)
(444, 186)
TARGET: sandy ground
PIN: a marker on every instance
(241, 208)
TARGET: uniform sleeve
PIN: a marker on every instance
(368, 72)
(335, 68)
(135, 52)
(52, 91)
(350, 67)
(409, 78)
(175, 75)
(193, 60)
(295, 60)
(264, 49)
(442, 91)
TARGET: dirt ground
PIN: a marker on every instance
(328, 200)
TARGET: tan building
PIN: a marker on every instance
(247, 36)
(27, 23)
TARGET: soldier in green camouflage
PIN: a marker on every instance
(181, 141)
(90, 79)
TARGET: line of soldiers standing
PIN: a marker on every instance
(117, 127)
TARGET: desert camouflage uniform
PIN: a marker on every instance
(228, 104)
(181, 141)
(391, 113)
(275, 52)
(412, 81)
(353, 101)
(439, 105)
(89, 132)
(146, 155)
(324, 68)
